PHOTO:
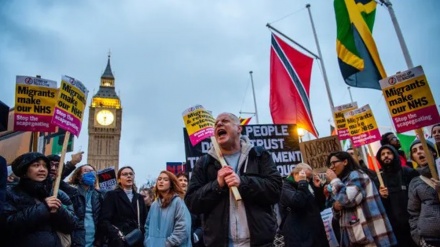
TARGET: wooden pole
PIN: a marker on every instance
(34, 141)
(431, 164)
(222, 160)
(56, 185)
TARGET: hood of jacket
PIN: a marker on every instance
(395, 164)
(245, 145)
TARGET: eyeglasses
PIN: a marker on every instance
(126, 174)
(333, 163)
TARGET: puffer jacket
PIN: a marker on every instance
(30, 222)
(424, 209)
(79, 204)
(260, 189)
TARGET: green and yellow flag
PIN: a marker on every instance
(358, 58)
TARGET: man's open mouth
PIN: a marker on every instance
(221, 132)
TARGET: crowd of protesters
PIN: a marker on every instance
(202, 211)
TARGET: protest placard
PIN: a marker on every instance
(70, 105)
(176, 167)
(409, 100)
(315, 152)
(280, 140)
(362, 126)
(199, 123)
(341, 124)
(107, 179)
(68, 115)
(34, 104)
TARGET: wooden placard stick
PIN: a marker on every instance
(222, 160)
(56, 185)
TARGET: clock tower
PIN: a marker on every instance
(105, 120)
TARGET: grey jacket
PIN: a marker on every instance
(423, 208)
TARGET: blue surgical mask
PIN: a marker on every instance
(89, 178)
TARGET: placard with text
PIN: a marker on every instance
(409, 100)
(34, 104)
(107, 179)
(341, 124)
(281, 140)
(70, 105)
(199, 122)
(315, 152)
(362, 126)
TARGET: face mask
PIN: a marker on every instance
(89, 178)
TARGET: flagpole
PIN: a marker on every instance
(330, 99)
(255, 101)
(409, 64)
(403, 46)
(349, 92)
(291, 40)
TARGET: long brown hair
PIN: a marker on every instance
(77, 174)
(119, 176)
(174, 189)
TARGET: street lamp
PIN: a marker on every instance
(301, 132)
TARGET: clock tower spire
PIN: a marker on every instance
(105, 121)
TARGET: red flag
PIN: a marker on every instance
(290, 73)
(333, 131)
(245, 121)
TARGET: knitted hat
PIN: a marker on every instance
(22, 162)
(417, 141)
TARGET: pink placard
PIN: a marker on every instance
(343, 134)
(201, 135)
(67, 121)
(366, 138)
(33, 122)
(416, 119)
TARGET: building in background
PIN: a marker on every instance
(105, 122)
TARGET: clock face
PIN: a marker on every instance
(105, 117)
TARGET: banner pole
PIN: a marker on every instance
(56, 185)
(431, 165)
(399, 34)
(324, 72)
(234, 189)
(34, 141)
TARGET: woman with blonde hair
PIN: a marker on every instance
(123, 212)
(300, 205)
(87, 201)
(169, 221)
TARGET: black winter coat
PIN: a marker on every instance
(79, 204)
(302, 225)
(260, 189)
(118, 211)
(30, 223)
(397, 179)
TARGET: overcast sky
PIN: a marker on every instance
(169, 55)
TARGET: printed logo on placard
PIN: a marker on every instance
(28, 80)
(392, 80)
